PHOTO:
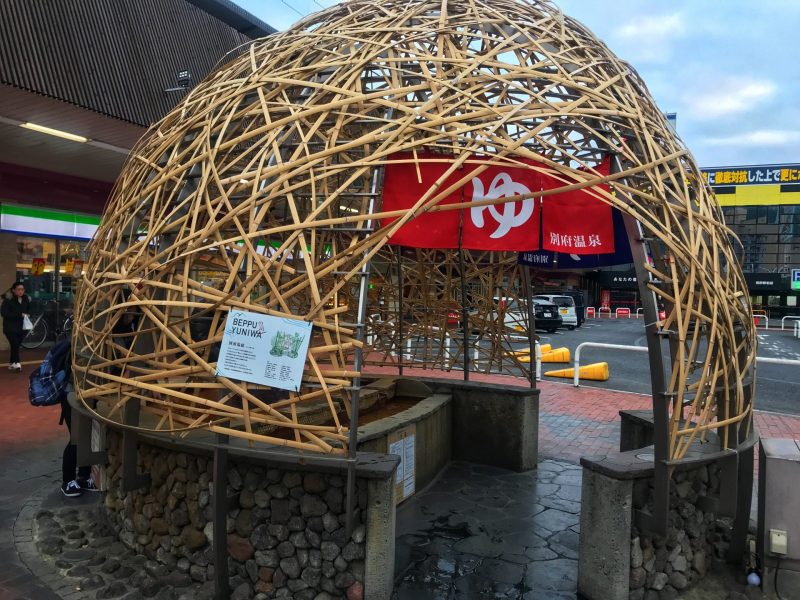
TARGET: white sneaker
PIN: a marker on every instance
(12, 366)
(17, 367)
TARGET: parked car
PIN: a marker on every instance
(566, 308)
(514, 315)
(547, 315)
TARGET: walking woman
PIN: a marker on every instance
(16, 306)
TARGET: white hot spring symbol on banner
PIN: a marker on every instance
(502, 187)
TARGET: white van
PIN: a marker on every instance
(566, 308)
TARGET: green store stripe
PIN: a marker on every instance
(51, 215)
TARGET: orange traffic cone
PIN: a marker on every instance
(559, 355)
(544, 348)
(594, 372)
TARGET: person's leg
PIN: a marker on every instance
(69, 460)
(14, 342)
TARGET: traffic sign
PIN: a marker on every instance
(796, 279)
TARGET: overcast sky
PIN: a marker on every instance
(729, 68)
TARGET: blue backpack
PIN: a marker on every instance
(48, 382)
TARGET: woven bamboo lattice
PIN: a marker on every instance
(261, 191)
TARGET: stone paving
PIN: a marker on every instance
(483, 532)
(452, 541)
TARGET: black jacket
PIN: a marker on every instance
(12, 311)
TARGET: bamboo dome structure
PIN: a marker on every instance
(261, 191)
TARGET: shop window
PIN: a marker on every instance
(774, 300)
(36, 266)
(791, 300)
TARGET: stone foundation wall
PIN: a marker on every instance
(286, 529)
(662, 567)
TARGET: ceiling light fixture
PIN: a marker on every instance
(55, 132)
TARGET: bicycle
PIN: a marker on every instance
(41, 330)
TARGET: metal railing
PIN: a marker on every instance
(783, 320)
(577, 361)
(577, 364)
(756, 317)
(777, 361)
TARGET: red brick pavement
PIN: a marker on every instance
(24, 425)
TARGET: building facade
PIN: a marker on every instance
(80, 83)
(761, 205)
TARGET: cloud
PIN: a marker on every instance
(652, 27)
(759, 137)
(729, 97)
(648, 38)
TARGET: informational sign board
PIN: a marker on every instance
(402, 443)
(264, 349)
(796, 279)
(605, 299)
(37, 266)
(760, 175)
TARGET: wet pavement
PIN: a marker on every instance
(481, 532)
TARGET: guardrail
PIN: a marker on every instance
(797, 329)
(587, 314)
(783, 320)
(777, 361)
(603, 309)
(757, 317)
(538, 358)
(626, 312)
(639, 311)
(577, 363)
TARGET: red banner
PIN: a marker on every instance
(576, 222)
(510, 226)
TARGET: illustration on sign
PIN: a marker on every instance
(502, 187)
(264, 349)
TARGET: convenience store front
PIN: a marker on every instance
(44, 249)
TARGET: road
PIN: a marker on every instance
(777, 386)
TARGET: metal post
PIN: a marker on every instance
(657, 376)
(220, 499)
(464, 316)
(531, 323)
(131, 478)
(464, 311)
(400, 317)
(352, 442)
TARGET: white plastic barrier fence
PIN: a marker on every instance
(622, 312)
(757, 317)
(590, 312)
(783, 321)
(603, 309)
(797, 329)
(538, 352)
(639, 312)
(577, 365)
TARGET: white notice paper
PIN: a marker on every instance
(408, 459)
(264, 349)
(397, 448)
